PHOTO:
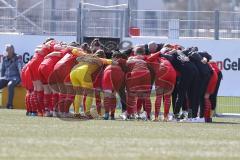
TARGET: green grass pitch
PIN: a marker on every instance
(28, 138)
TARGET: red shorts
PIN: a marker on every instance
(62, 69)
(97, 78)
(67, 79)
(168, 64)
(26, 78)
(166, 77)
(23, 77)
(44, 73)
(212, 82)
(46, 68)
(138, 81)
(215, 66)
(29, 84)
(113, 78)
(34, 65)
(55, 77)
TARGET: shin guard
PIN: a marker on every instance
(47, 101)
(167, 104)
(158, 105)
(40, 98)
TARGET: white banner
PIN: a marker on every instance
(25, 44)
(226, 52)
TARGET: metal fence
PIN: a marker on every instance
(44, 17)
(38, 17)
(103, 23)
(192, 24)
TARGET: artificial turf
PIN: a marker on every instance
(24, 138)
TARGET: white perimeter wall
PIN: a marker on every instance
(27, 43)
(225, 51)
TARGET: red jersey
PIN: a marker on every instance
(38, 57)
(63, 68)
(46, 67)
(138, 78)
(213, 81)
(137, 63)
(214, 66)
(113, 77)
(26, 78)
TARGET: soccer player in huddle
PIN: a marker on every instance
(213, 96)
(81, 76)
(60, 81)
(45, 70)
(165, 80)
(40, 52)
(30, 104)
(139, 84)
(58, 73)
(113, 80)
(164, 76)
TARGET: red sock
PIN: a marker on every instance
(47, 101)
(98, 102)
(207, 110)
(34, 101)
(113, 105)
(158, 105)
(148, 106)
(40, 98)
(167, 104)
(54, 101)
(84, 102)
(32, 104)
(131, 103)
(107, 104)
(68, 102)
(61, 103)
(27, 102)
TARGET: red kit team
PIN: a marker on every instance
(60, 75)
